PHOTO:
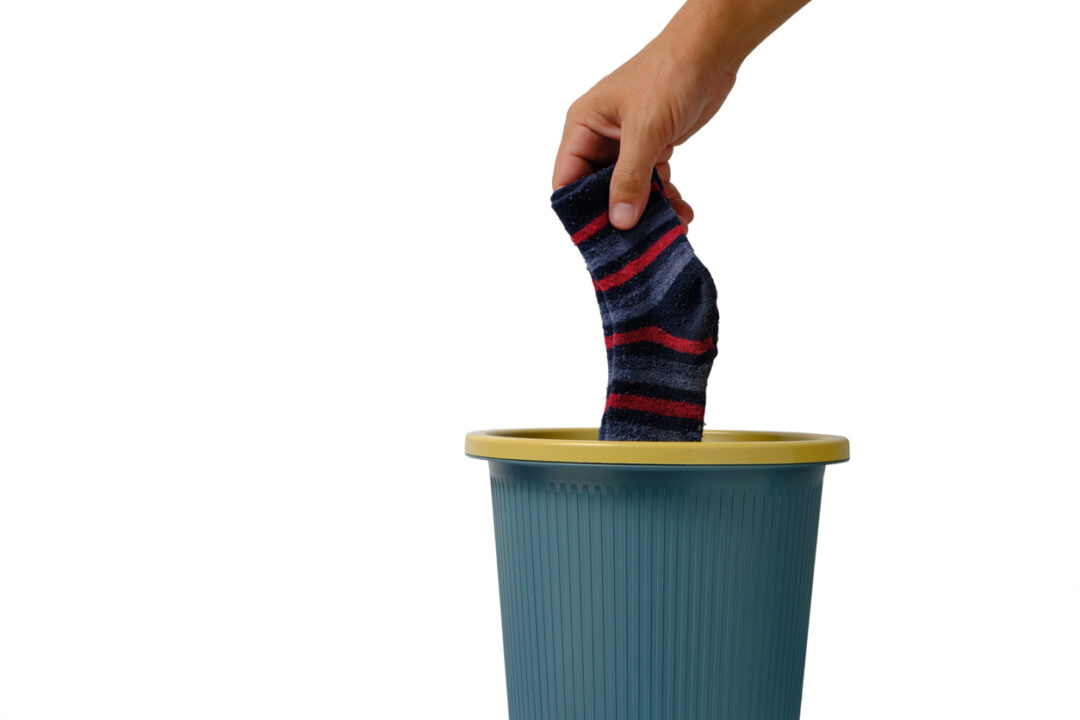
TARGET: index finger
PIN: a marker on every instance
(581, 152)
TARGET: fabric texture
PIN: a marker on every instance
(658, 306)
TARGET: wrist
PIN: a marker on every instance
(719, 34)
(704, 39)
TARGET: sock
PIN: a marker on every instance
(658, 306)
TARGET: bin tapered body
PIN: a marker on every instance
(655, 592)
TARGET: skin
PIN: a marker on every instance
(637, 115)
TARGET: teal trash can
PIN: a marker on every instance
(655, 580)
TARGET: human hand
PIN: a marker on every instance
(636, 116)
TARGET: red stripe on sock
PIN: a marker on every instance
(591, 229)
(600, 221)
(656, 406)
(660, 337)
(639, 263)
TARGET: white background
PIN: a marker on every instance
(263, 264)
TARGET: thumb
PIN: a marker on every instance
(639, 149)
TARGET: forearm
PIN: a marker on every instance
(721, 33)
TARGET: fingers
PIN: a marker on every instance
(680, 206)
(639, 149)
(582, 151)
(585, 150)
(569, 168)
(663, 169)
(590, 141)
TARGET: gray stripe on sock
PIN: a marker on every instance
(634, 304)
(622, 243)
(630, 367)
(631, 431)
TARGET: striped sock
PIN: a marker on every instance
(658, 305)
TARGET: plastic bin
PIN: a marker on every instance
(655, 580)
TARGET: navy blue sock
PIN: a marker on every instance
(658, 305)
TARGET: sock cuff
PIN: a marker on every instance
(582, 207)
(580, 202)
(586, 199)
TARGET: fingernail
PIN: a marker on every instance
(621, 215)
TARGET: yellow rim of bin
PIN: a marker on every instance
(718, 447)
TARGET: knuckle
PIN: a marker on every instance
(626, 177)
(577, 108)
(652, 130)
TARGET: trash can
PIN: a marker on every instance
(655, 580)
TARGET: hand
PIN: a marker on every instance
(636, 116)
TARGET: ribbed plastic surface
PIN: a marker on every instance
(655, 593)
